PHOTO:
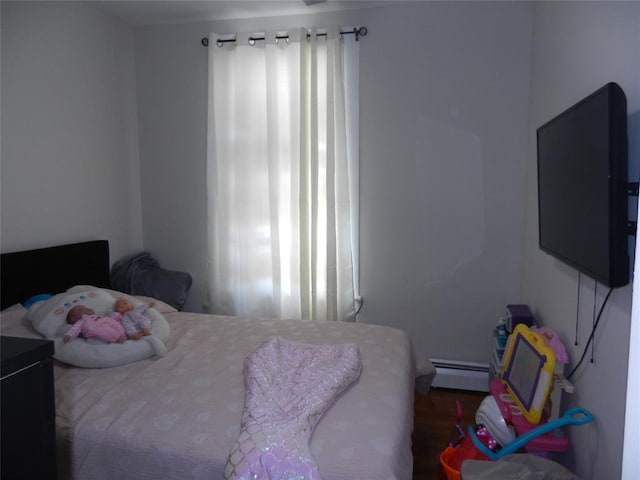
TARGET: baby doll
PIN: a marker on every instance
(83, 320)
(135, 324)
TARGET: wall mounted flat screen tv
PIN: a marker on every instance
(582, 186)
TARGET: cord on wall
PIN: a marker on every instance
(593, 314)
(593, 332)
(578, 307)
(359, 302)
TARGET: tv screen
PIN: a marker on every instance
(582, 186)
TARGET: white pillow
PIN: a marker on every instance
(49, 318)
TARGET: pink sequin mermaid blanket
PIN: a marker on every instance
(288, 388)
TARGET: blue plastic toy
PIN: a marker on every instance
(574, 416)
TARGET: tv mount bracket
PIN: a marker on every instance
(632, 191)
(631, 227)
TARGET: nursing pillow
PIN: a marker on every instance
(49, 318)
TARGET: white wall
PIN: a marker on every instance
(577, 48)
(69, 163)
(444, 98)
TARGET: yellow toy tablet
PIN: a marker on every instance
(528, 371)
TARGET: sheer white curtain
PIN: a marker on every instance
(281, 180)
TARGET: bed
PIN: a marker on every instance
(178, 415)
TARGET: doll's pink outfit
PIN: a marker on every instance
(93, 326)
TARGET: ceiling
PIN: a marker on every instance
(149, 12)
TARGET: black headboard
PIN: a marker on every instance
(52, 270)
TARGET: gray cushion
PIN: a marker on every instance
(141, 274)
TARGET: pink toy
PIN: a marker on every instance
(513, 416)
(553, 341)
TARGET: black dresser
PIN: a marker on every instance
(28, 409)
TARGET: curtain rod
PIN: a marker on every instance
(358, 32)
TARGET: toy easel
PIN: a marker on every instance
(524, 398)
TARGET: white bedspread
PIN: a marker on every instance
(177, 417)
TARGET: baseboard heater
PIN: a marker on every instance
(461, 375)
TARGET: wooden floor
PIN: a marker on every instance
(435, 418)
